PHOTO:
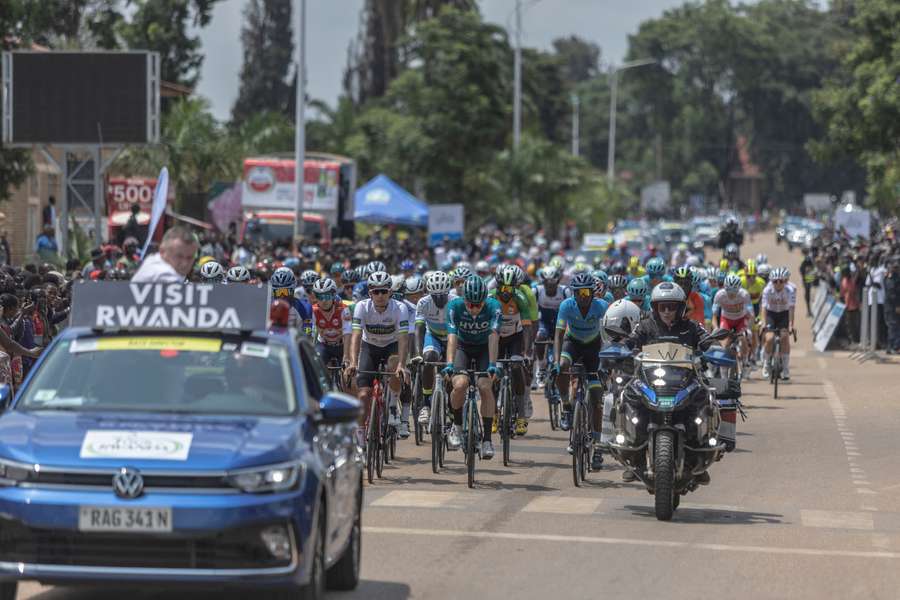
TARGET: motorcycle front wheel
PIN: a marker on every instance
(664, 473)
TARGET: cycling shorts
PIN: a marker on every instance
(588, 353)
(330, 352)
(546, 329)
(738, 324)
(777, 320)
(756, 309)
(511, 345)
(370, 358)
(433, 343)
(466, 353)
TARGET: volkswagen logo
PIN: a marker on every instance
(128, 483)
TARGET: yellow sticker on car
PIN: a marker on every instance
(186, 344)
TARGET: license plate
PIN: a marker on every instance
(125, 519)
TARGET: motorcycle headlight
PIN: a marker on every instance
(273, 478)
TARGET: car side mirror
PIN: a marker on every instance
(338, 408)
(6, 396)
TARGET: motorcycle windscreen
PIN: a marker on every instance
(667, 351)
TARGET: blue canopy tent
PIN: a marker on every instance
(382, 201)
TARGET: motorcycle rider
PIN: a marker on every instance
(667, 323)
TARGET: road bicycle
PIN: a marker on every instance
(551, 392)
(777, 365)
(508, 407)
(381, 438)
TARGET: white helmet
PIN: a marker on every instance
(438, 283)
(621, 317)
(212, 271)
(732, 283)
(415, 285)
(324, 286)
(693, 261)
(398, 284)
(379, 280)
(238, 274)
(482, 266)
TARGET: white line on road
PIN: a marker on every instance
(537, 537)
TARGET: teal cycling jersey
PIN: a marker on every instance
(473, 330)
(577, 325)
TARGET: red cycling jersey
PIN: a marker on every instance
(332, 327)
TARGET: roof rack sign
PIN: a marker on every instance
(170, 306)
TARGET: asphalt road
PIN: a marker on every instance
(806, 507)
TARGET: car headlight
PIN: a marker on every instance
(272, 478)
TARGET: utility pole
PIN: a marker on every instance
(517, 79)
(576, 118)
(300, 112)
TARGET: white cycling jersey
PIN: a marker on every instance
(411, 313)
(380, 328)
(434, 318)
(733, 307)
(548, 302)
(779, 301)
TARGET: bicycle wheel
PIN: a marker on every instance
(437, 430)
(373, 455)
(776, 373)
(470, 441)
(505, 419)
(417, 401)
(385, 432)
(578, 432)
(553, 407)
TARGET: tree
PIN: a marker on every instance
(580, 58)
(860, 106)
(268, 51)
(166, 26)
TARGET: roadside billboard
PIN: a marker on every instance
(268, 183)
(445, 221)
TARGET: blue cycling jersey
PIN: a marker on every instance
(361, 291)
(579, 326)
(651, 283)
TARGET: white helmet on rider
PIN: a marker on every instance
(621, 317)
(438, 283)
(732, 283)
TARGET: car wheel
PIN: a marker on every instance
(344, 574)
(315, 589)
(8, 590)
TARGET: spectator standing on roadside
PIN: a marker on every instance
(48, 215)
(876, 297)
(892, 305)
(850, 296)
(173, 262)
(45, 245)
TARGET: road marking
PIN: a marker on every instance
(563, 505)
(837, 519)
(566, 539)
(857, 473)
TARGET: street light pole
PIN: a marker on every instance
(300, 111)
(614, 83)
(576, 118)
(517, 79)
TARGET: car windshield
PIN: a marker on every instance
(259, 230)
(193, 375)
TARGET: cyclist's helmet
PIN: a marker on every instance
(308, 278)
(213, 272)
(620, 318)
(761, 259)
(655, 267)
(507, 277)
(283, 278)
(692, 261)
(601, 276)
(474, 290)
(721, 274)
(438, 283)
(238, 274)
(461, 274)
(407, 265)
(582, 281)
(379, 280)
(415, 285)
(376, 266)
(464, 263)
(617, 282)
(337, 268)
(617, 268)
(732, 283)
(786, 273)
(483, 268)
(731, 251)
(698, 276)
(549, 274)
(682, 276)
(580, 267)
(350, 276)
(779, 273)
(667, 291)
(324, 286)
(398, 286)
(764, 270)
(423, 266)
(638, 288)
(750, 269)
(634, 262)
(519, 273)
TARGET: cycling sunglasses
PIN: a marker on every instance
(379, 292)
(324, 297)
(283, 292)
(778, 281)
(474, 305)
(505, 289)
(668, 307)
(584, 292)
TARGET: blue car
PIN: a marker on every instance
(184, 457)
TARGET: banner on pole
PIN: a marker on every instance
(828, 327)
(159, 206)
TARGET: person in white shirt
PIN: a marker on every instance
(174, 261)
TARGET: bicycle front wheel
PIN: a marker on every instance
(505, 420)
(417, 402)
(470, 443)
(437, 431)
(579, 434)
(373, 454)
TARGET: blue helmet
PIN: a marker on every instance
(637, 288)
(655, 267)
(582, 281)
(407, 265)
(283, 277)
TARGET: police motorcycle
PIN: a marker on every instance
(666, 422)
(616, 359)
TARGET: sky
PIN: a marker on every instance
(332, 24)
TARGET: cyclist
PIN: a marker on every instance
(694, 304)
(754, 285)
(601, 286)
(332, 323)
(361, 289)
(732, 309)
(808, 273)
(578, 338)
(777, 311)
(656, 273)
(618, 286)
(550, 294)
(483, 269)
(458, 277)
(407, 268)
(238, 274)
(634, 268)
(380, 334)
(349, 279)
(732, 258)
(473, 334)
(415, 289)
(431, 333)
(639, 293)
(307, 279)
(515, 338)
(283, 284)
